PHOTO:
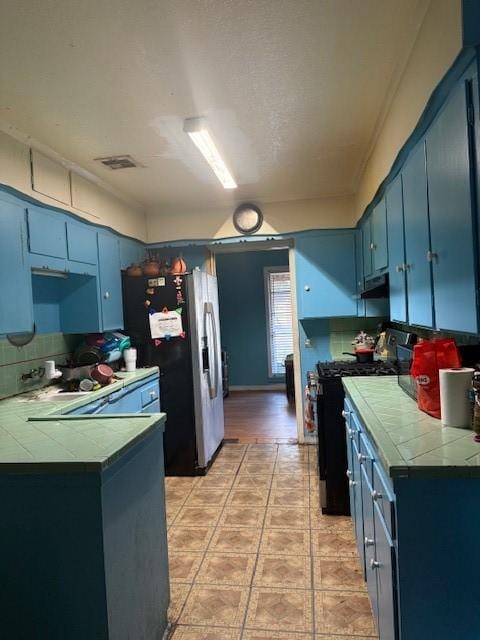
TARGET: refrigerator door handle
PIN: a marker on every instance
(212, 386)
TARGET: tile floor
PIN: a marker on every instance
(252, 558)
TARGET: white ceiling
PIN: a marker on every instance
(293, 90)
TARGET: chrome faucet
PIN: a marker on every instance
(33, 374)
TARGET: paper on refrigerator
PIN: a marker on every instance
(166, 324)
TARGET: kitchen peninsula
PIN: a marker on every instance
(83, 534)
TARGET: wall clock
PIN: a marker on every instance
(247, 218)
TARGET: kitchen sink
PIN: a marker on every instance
(51, 394)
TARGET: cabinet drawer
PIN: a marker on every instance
(150, 394)
(383, 498)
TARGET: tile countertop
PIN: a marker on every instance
(409, 442)
(37, 436)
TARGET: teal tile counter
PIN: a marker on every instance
(37, 435)
(409, 442)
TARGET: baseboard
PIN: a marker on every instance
(258, 387)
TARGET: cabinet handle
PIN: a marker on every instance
(352, 483)
(399, 268)
(362, 458)
(376, 495)
(153, 395)
(349, 473)
(369, 542)
(372, 246)
(374, 564)
(406, 267)
(431, 256)
(345, 414)
(106, 295)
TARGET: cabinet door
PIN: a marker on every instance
(359, 265)
(16, 306)
(82, 242)
(379, 236)
(385, 570)
(326, 278)
(110, 281)
(451, 217)
(367, 247)
(417, 242)
(396, 252)
(357, 486)
(369, 540)
(47, 234)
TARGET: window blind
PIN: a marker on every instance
(279, 319)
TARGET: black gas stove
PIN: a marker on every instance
(342, 368)
(327, 388)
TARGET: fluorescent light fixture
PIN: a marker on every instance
(198, 132)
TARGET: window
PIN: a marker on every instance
(279, 318)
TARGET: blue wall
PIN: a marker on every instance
(242, 313)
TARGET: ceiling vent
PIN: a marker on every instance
(118, 162)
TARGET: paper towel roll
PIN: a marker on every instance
(454, 403)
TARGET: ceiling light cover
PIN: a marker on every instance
(198, 132)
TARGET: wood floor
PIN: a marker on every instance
(259, 417)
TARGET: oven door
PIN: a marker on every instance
(321, 431)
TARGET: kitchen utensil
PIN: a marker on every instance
(102, 373)
(86, 384)
(86, 354)
(151, 268)
(74, 373)
(363, 356)
(134, 270)
(178, 265)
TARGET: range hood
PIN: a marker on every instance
(376, 287)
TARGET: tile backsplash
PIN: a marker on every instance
(344, 330)
(17, 360)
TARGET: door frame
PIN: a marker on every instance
(269, 245)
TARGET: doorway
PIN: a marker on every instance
(256, 321)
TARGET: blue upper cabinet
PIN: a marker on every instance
(326, 275)
(396, 252)
(417, 239)
(16, 307)
(451, 216)
(110, 281)
(379, 237)
(81, 242)
(366, 229)
(47, 234)
(131, 252)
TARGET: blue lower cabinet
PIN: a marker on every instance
(130, 399)
(384, 569)
(84, 553)
(357, 486)
(372, 498)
